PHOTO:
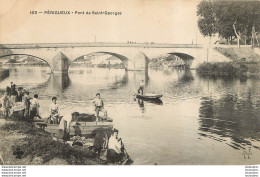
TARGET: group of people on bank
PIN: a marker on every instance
(14, 96)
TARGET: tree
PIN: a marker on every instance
(238, 35)
(244, 20)
(206, 20)
(227, 18)
(224, 19)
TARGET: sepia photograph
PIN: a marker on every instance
(135, 82)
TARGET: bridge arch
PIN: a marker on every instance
(188, 59)
(123, 58)
(8, 55)
(183, 56)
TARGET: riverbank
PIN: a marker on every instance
(244, 62)
(245, 54)
(24, 144)
(222, 69)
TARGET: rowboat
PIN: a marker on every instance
(149, 96)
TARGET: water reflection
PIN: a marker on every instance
(27, 77)
(241, 78)
(153, 101)
(39, 85)
(141, 105)
(231, 116)
(57, 83)
(120, 81)
(141, 102)
(185, 75)
(140, 75)
(60, 81)
(4, 74)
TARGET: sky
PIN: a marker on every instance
(159, 21)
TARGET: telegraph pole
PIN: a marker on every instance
(196, 38)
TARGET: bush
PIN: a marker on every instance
(21, 127)
(221, 68)
(243, 68)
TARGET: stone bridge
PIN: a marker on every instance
(135, 56)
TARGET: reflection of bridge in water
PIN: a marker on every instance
(134, 56)
(55, 84)
(58, 83)
(86, 80)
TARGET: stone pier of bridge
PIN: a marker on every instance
(60, 63)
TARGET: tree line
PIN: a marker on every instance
(229, 19)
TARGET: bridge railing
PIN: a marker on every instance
(97, 44)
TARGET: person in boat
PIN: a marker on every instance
(116, 151)
(26, 104)
(141, 87)
(99, 106)
(54, 108)
(34, 107)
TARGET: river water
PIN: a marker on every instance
(199, 120)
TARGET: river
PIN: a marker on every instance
(200, 120)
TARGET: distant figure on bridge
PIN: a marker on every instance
(141, 88)
(99, 106)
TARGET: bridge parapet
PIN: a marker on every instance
(98, 44)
